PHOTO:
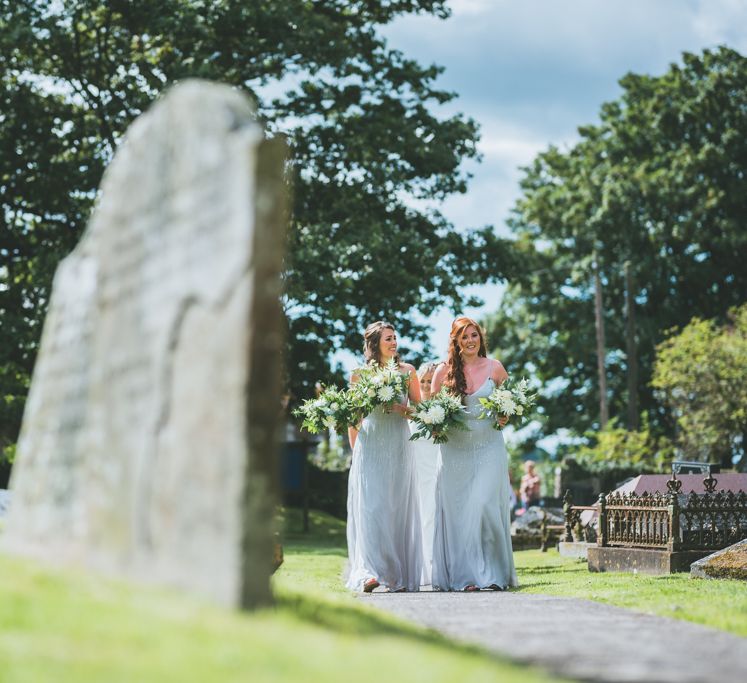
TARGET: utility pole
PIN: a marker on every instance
(599, 319)
(632, 351)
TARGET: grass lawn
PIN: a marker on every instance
(70, 627)
(719, 603)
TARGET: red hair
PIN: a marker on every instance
(455, 380)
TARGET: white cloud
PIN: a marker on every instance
(531, 72)
(461, 8)
(718, 22)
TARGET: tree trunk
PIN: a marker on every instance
(599, 318)
(632, 351)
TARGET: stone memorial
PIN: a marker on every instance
(148, 441)
(729, 563)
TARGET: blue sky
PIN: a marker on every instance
(531, 71)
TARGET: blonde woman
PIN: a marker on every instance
(426, 464)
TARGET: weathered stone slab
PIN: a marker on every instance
(577, 549)
(641, 560)
(729, 563)
(147, 446)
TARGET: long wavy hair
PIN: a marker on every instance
(372, 342)
(455, 380)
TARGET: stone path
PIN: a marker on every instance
(578, 639)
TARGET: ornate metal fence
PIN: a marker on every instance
(672, 521)
(575, 530)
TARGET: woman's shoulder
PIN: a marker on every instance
(406, 367)
(441, 368)
(497, 370)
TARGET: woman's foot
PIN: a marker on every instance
(369, 585)
(471, 588)
(495, 587)
(399, 590)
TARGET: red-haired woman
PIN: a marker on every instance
(383, 530)
(472, 540)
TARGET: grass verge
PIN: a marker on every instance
(719, 603)
(71, 627)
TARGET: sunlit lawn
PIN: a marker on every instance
(718, 603)
(66, 626)
(71, 627)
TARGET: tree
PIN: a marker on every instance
(367, 152)
(659, 182)
(701, 376)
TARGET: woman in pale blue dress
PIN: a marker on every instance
(472, 544)
(383, 529)
(426, 463)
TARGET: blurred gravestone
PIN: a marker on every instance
(147, 446)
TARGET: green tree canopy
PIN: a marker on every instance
(659, 182)
(701, 376)
(367, 154)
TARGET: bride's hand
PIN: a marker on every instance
(400, 409)
(503, 421)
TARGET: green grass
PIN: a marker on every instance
(719, 603)
(71, 627)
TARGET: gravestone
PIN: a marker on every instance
(729, 563)
(148, 440)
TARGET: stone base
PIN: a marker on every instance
(575, 549)
(641, 560)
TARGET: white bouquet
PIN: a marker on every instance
(332, 409)
(437, 416)
(378, 386)
(507, 400)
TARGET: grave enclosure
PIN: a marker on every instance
(659, 532)
(148, 442)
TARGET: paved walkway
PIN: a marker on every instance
(578, 639)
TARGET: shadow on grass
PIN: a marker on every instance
(551, 570)
(363, 620)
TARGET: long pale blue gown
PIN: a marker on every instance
(383, 530)
(426, 463)
(472, 542)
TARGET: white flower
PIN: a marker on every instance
(329, 422)
(520, 410)
(371, 392)
(386, 393)
(377, 379)
(335, 406)
(509, 407)
(437, 414)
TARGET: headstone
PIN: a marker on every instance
(530, 523)
(729, 563)
(148, 440)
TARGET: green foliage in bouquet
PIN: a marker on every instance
(377, 386)
(507, 400)
(437, 416)
(332, 409)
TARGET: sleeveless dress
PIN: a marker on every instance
(472, 543)
(426, 463)
(383, 529)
